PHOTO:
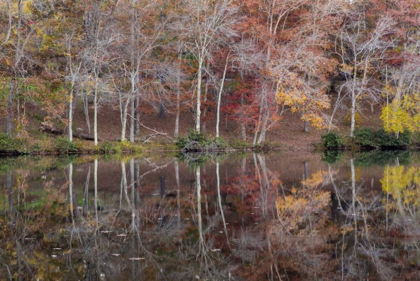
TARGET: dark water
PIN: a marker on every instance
(279, 216)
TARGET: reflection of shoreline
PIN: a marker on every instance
(154, 217)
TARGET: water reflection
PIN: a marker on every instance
(235, 217)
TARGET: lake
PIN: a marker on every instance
(272, 216)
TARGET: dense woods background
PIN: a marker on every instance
(248, 61)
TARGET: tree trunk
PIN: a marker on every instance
(178, 96)
(353, 114)
(206, 90)
(261, 139)
(137, 116)
(219, 97)
(257, 129)
(198, 111)
(162, 181)
(132, 120)
(95, 116)
(58, 131)
(305, 126)
(86, 111)
(124, 115)
(162, 111)
(70, 125)
(10, 111)
(133, 70)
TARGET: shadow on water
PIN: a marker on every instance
(220, 217)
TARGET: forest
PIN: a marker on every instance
(305, 115)
(101, 70)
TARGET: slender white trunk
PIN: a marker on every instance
(124, 115)
(198, 110)
(219, 98)
(353, 114)
(132, 120)
(137, 116)
(71, 114)
(95, 114)
(133, 70)
(257, 130)
(86, 111)
(176, 132)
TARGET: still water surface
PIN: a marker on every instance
(276, 216)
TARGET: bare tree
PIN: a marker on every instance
(361, 55)
(205, 22)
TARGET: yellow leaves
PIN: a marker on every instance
(400, 116)
(316, 179)
(402, 183)
(27, 8)
(308, 103)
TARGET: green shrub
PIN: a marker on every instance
(107, 147)
(192, 136)
(36, 147)
(333, 156)
(369, 138)
(10, 144)
(383, 157)
(333, 140)
(365, 137)
(239, 143)
(216, 144)
(63, 145)
(196, 141)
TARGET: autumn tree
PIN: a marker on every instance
(204, 22)
(361, 49)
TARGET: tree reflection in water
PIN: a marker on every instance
(250, 217)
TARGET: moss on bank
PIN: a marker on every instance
(45, 144)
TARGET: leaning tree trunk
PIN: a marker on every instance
(86, 111)
(219, 98)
